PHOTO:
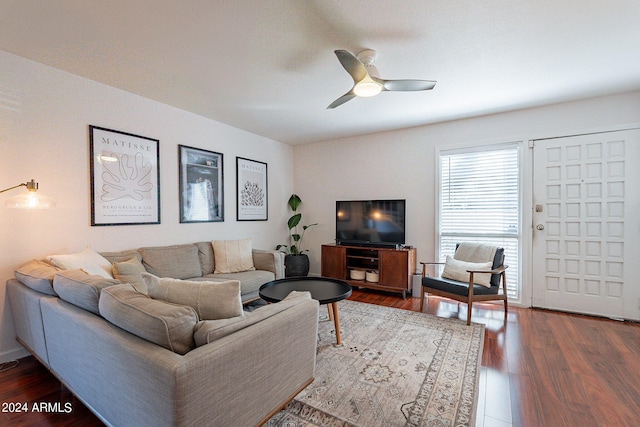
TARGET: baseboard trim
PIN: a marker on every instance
(14, 354)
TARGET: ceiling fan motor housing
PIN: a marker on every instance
(368, 57)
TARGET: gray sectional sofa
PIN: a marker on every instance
(137, 360)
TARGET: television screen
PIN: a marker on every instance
(370, 222)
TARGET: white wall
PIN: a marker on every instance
(44, 118)
(400, 164)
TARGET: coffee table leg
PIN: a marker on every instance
(330, 310)
(334, 308)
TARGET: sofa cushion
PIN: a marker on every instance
(211, 300)
(457, 270)
(130, 272)
(250, 281)
(207, 331)
(121, 256)
(88, 260)
(205, 255)
(232, 256)
(165, 324)
(37, 275)
(81, 289)
(177, 261)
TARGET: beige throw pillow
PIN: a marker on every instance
(130, 272)
(457, 270)
(88, 260)
(232, 256)
(211, 300)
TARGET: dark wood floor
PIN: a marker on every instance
(539, 368)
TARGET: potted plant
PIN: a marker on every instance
(296, 261)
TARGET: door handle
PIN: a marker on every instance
(539, 227)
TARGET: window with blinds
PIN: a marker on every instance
(480, 202)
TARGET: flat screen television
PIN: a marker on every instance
(370, 222)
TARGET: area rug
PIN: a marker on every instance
(394, 368)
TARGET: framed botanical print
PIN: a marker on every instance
(201, 185)
(125, 178)
(251, 190)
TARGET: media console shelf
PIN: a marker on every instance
(395, 267)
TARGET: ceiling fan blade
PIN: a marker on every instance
(344, 98)
(352, 64)
(407, 85)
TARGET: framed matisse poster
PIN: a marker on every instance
(201, 185)
(125, 178)
(251, 189)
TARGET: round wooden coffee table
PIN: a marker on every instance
(323, 289)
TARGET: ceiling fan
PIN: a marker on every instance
(366, 79)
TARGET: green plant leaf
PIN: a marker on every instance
(295, 238)
(294, 202)
(294, 220)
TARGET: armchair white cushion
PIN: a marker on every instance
(455, 269)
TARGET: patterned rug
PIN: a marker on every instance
(394, 368)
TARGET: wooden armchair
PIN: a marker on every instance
(473, 274)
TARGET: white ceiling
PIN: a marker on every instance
(268, 66)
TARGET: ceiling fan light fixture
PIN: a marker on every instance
(367, 88)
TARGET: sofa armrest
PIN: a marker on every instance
(264, 365)
(208, 331)
(494, 271)
(272, 261)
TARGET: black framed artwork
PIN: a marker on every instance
(251, 190)
(125, 178)
(201, 185)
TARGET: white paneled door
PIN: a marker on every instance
(586, 229)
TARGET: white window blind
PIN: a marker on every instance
(479, 201)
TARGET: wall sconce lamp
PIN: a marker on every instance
(30, 199)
